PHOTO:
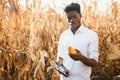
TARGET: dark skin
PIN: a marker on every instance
(74, 18)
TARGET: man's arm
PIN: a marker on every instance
(90, 60)
(87, 61)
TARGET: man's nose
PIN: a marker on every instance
(71, 21)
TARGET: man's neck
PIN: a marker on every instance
(74, 30)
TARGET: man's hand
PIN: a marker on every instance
(87, 61)
(67, 72)
(61, 68)
(76, 56)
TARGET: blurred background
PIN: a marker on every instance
(30, 29)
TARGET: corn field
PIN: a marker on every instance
(29, 39)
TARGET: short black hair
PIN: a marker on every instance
(73, 7)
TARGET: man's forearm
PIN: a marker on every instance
(87, 61)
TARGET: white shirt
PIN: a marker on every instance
(86, 41)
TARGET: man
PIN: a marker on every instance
(83, 40)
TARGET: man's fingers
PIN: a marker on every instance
(67, 72)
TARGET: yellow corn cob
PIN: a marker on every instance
(71, 50)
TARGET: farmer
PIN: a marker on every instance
(83, 40)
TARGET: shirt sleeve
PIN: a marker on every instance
(60, 48)
(93, 47)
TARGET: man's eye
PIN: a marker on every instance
(75, 16)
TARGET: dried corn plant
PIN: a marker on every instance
(28, 40)
(107, 25)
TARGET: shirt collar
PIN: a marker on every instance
(80, 29)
